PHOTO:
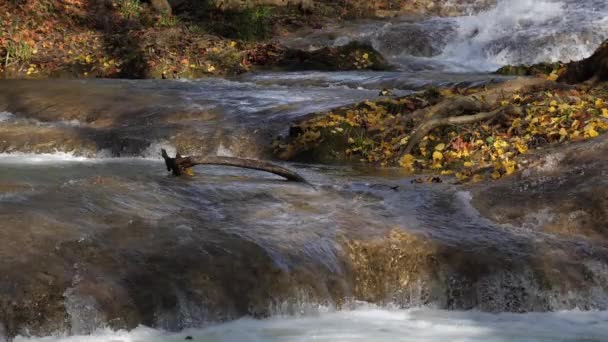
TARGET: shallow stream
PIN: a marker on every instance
(97, 238)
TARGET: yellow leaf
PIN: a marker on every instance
(365, 56)
(496, 175)
(563, 132)
(351, 140)
(461, 177)
(510, 167)
(440, 147)
(468, 164)
(605, 112)
(437, 156)
(499, 143)
(522, 147)
(516, 123)
(407, 161)
(477, 178)
(552, 109)
(553, 103)
(592, 133)
(552, 77)
(599, 102)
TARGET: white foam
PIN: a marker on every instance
(42, 158)
(223, 151)
(153, 151)
(6, 116)
(20, 158)
(374, 324)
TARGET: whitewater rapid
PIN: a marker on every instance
(525, 32)
(378, 325)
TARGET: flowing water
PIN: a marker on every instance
(513, 32)
(97, 238)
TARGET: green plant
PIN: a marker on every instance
(18, 51)
(168, 20)
(254, 23)
(129, 9)
(249, 24)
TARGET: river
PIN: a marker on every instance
(100, 244)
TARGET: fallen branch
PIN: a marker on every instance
(179, 165)
(426, 127)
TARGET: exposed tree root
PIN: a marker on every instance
(426, 127)
(179, 165)
(453, 111)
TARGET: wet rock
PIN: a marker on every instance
(412, 270)
(180, 263)
(353, 56)
(563, 191)
(594, 68)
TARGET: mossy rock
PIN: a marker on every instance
(328, 149)
(529, 70)
(353, 56)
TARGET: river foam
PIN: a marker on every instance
(375, 324)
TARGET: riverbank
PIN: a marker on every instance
(135, 39)
(131, 39)
(472, 133)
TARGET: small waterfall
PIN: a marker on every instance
(527, 31)
(512, 32)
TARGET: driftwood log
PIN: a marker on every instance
(180, 165)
